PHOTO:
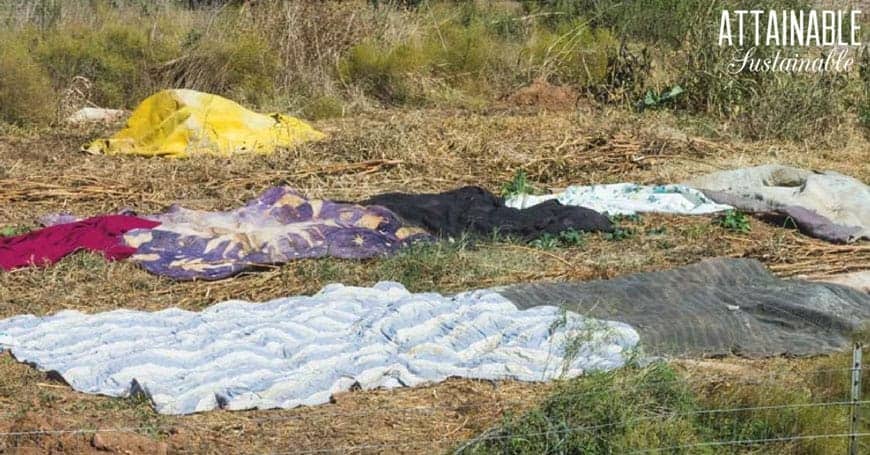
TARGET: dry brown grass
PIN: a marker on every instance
(43, 172)
(405, 420)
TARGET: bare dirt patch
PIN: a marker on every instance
(543, 95)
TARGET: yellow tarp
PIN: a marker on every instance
(181, 123)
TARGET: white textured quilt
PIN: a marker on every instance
(628, 199)
(300, 350)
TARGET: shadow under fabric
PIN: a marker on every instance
(475, 210)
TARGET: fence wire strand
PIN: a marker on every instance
(495, 435)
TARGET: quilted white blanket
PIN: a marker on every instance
(300, 350)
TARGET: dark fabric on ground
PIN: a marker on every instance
(475, 210)
(713, 308)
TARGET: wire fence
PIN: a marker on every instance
(854, 433)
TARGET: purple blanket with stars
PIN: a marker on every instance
(278, 226)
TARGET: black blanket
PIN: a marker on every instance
(475, 210)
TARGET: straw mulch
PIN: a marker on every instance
(43, 172)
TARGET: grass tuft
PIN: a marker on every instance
(601, 413)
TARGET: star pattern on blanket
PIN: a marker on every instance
(278, 226)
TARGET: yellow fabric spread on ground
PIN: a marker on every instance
(181, 123)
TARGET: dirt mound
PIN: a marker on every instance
(545, 95)
(47, 433)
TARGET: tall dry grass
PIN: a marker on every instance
(331, 58)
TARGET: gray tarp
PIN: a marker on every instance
(712, 308)
(827, 205)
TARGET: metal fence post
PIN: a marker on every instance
(856, 398)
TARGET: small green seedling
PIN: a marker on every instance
(620, 233)
(564, 239)
(572, 237)
(735, 221)
(518, 185)
(545, 242)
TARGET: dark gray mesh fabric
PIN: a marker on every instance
(715, 307)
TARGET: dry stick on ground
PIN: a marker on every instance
(367, 167)
(15, 190)
(558, 258)
(70, 187)
(816, 258)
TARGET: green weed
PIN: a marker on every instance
(9, 231)
(618, 218)
(518, 185)
(735, 221)
(650, 408)
(620, 233)
(564, 239)
(546, 241)
(421, 265)
(649, 21)
(231, 62)
(573, 53)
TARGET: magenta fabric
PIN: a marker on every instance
(103, 234)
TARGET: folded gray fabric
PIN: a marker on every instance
(713, 308)
(827, 205)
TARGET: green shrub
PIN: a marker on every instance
(381, 71)
(323, 107)
(422, 265)
(127, 56)
(26, 95)
(864, 102)
(457, 50)
(776, 422)
(573, 53)
(601, 413)
(650, 21)
(116, 58)
(229, 61)
(653, 408)
(816, 105)
(754, 101)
